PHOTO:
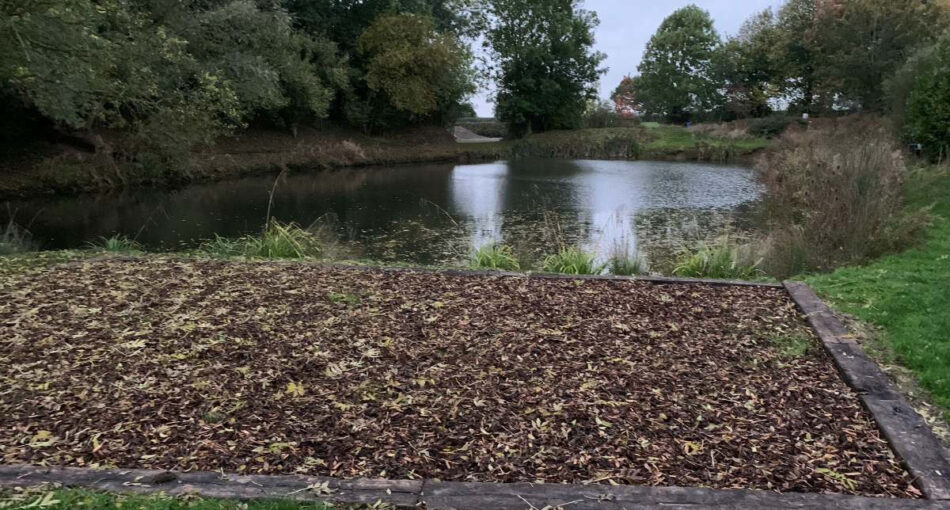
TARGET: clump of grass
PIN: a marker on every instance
(624, 263)
(344, 298)
(277, 241)
(117, 243)
(627, 266)
(721, 260)
(572, 260)
(792, 346)
(15, 239)
(495, 256)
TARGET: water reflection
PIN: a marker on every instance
(433, 213)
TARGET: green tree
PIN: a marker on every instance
(676, 80)
(88, 65)
(922, 94)
(546, 68)
(419, 69)
(796, 55)
(864, 42)
(745, 68)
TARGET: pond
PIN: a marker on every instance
(429, 214)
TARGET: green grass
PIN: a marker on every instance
(792, 346)
(278, 241)
(90, 500)
(117, 244)
(495, 257)
(721, 260)
(627, 265)
(667, 139)
(572, 260)
(908, 294)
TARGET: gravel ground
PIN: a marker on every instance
(282, 368)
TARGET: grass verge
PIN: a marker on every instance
(73, 499)
(908, 294)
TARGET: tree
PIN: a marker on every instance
(416, 67)
(88, 65)
(864, 42)
(796, 54)
(625, 98)
(676, 79)
(546, 67)
(922, 96)
(744, 67)
(346, 21)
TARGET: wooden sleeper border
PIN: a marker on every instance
(909, 436)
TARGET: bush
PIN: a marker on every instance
(721, 260)
(603, 114)
(572, 260)
(495, 256)
(769, 127)
(834, 197)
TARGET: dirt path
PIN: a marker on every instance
(463, 135)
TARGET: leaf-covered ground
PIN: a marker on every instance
(282, 368)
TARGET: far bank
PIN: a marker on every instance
(64, 168)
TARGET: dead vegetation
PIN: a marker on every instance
(280, 368)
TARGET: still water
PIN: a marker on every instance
(431, 214)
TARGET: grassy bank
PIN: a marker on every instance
(908, 295)
(57, 169)
(71, 499)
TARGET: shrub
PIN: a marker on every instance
(721, 260)
(769, 127)
(495, 256)
(834, 197)
(117, 243)
(603, 114)
(572, 260)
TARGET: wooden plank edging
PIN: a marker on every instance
(908, 434)
(437, 495)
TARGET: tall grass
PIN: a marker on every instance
(15, 239)
(277, 241)
(572, 260)
(624, 263)
(721, 260)
(495, 256)
(835, 196)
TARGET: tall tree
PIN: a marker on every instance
(416, 67)
(864, 42)
(676, 81)
(745, 67)
(797, 54)
(546, 66)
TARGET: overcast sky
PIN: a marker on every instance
(626, 27)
